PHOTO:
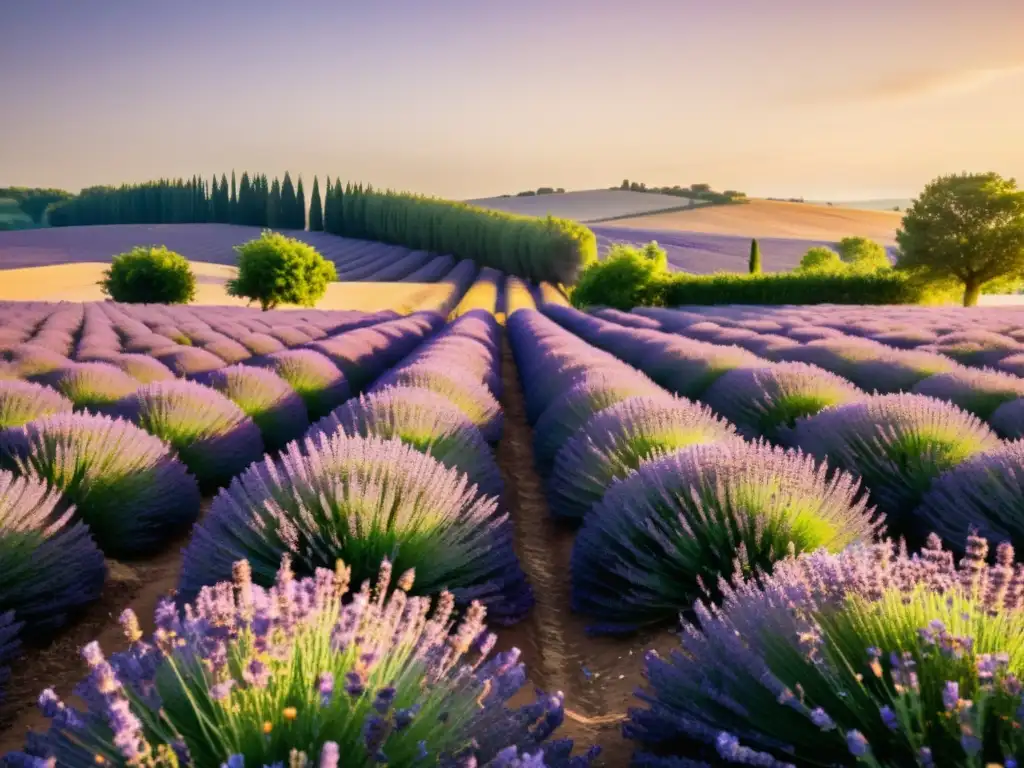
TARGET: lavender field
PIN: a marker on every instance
(702, 253)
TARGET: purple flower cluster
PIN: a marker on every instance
(361, 499)
(303, 669)
(24, 401)
(212, 436)
(125, 484)
(979, 391)
(897, 444)
(869, 654)
(49, 564)
(91, 386)
(313, 376)
(671, 532)
(266, 398)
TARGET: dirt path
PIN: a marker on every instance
(597, 674)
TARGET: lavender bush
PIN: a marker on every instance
(468, 395)
(212, 436)
(688, 368)
(617, 440)
(766, 402)
(1008, 419)
(314, 378)
(93, 386)
(361, 499)
(125, 484)
(669, 533)
(23, 401)
(426, 421)
(142, 368)
(979, 391)
(265, 398)
(867, 657)
(897, 444)
(188, 361)
(49, 564)
(305, 673)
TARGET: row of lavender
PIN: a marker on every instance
(404, 472)
(802, 643)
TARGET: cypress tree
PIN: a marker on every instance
(244, 200)
(316, 214)
(755, 257)
(286, 215)
(223, 201)
(233, 201)
(275, 208)
(300, 206)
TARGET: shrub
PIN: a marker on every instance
(979, 391)
(469, 396)
(314, 378)
(821, 259)
(688, 367)
(983, 495)
(767, 402)
(188, 361)
(265, 398)
(49, 564)
(306, 672)
(862, 657)
(274, 269)
(897, 444)
(92, 386)
(428, 422)
(627, 277)
(886, 287)
(125, 484)
(597, 390)
(617, 440)
(863, 255)
(1008, 419)
(143, 368)
(670, 532)
(212, 436)
(754, 264)
(23, 401)
(31, 360)
(149, 275)
(359, 499)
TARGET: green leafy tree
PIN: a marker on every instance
(274, 269)
(821, 259)
(149, 275)
(316, 213)
(966, 226)
(755, 257)
(863, 254)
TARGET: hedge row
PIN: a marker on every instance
(889, 287)
(537, 249)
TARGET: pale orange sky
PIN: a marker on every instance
(825, 100)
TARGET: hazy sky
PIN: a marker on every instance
(825, 99)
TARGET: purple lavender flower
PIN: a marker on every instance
(212, 436)
(618, 439)
(188, 361)
(898, 444)
(314, 377)
(125, 484)
(49, 564)
(979, 391)
(427, 421)
(670, 532)
(23, 401)
(361, 499)
(91, 386)
(142, 368)
(453, 697)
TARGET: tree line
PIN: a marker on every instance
(252, 200)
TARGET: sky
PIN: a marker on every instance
(822, 99)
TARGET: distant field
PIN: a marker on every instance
(356, 260)
(78, 282)
(586, 206)
(767, 218)
(703, 253)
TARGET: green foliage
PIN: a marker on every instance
(150, 275)
(863, 254)
(626, 278)
(967, 226)
(274, 269)
(702, 192)
(534, 248)
(813, 287)
(316, 211)
(33, 202)
(755, 257)
(820, 259)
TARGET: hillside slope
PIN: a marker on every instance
(588, 205)
(768, 218)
